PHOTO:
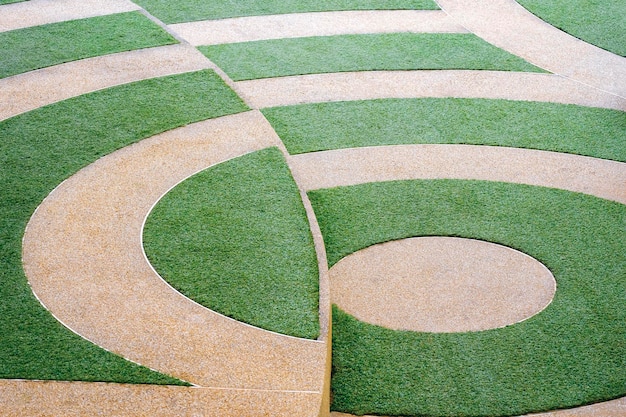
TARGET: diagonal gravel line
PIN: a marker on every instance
(40, 12)
(367, 85)
(509, 26)
(28, 91)
(254, 28)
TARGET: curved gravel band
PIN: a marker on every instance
(255, 28)
(367, 85)
(599, 177)
(94, 220)
(28, 91)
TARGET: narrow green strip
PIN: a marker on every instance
(10, 1)
(395, 51)
(235, 238)
(38, 150)
(192, 10)
(531, 366)
(546, 126)
(602, 23)
(37, 47)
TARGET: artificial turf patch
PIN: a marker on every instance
(601, 23)
(236, 239)
(193, 10)
(10, 1)
(38, 150)
(546, 126)
(572, 353)
(390, 51)
(42, 46)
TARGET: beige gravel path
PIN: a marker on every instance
(441, 284)
(254, 28)
(84, 259)
(40, 12)
(599, 177)
(285, 91)
(34, 89)
(509, 26)
(79, 399)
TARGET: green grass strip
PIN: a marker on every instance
(37, 47)
(38, 150)
(236, 239)
(572, 353)
(392, 51)
(193, 10)
(10, 1)
(601, 23)
(547, 126)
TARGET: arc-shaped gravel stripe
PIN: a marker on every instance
(255, 28)
(509, 26)
(599, 177)
(34, 89)
(41, 12)
(367, 85)
(84, 259)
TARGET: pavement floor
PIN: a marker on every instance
(237, 369)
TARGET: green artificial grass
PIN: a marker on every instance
(572, 353)
(391, 51)
(10, 1)
(601, 23)
(192, 10)
(42, 46)
(547, 126)
(236, 239)
(38, 150)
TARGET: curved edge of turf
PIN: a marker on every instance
(41, 148)
(600, 23)
(555, 127)
(235, 238)
(369, 52)
(536, 365)
(21, 50)
(195, 10)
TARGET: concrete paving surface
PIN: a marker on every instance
(84, 241)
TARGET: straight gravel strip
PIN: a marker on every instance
(297, 25)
